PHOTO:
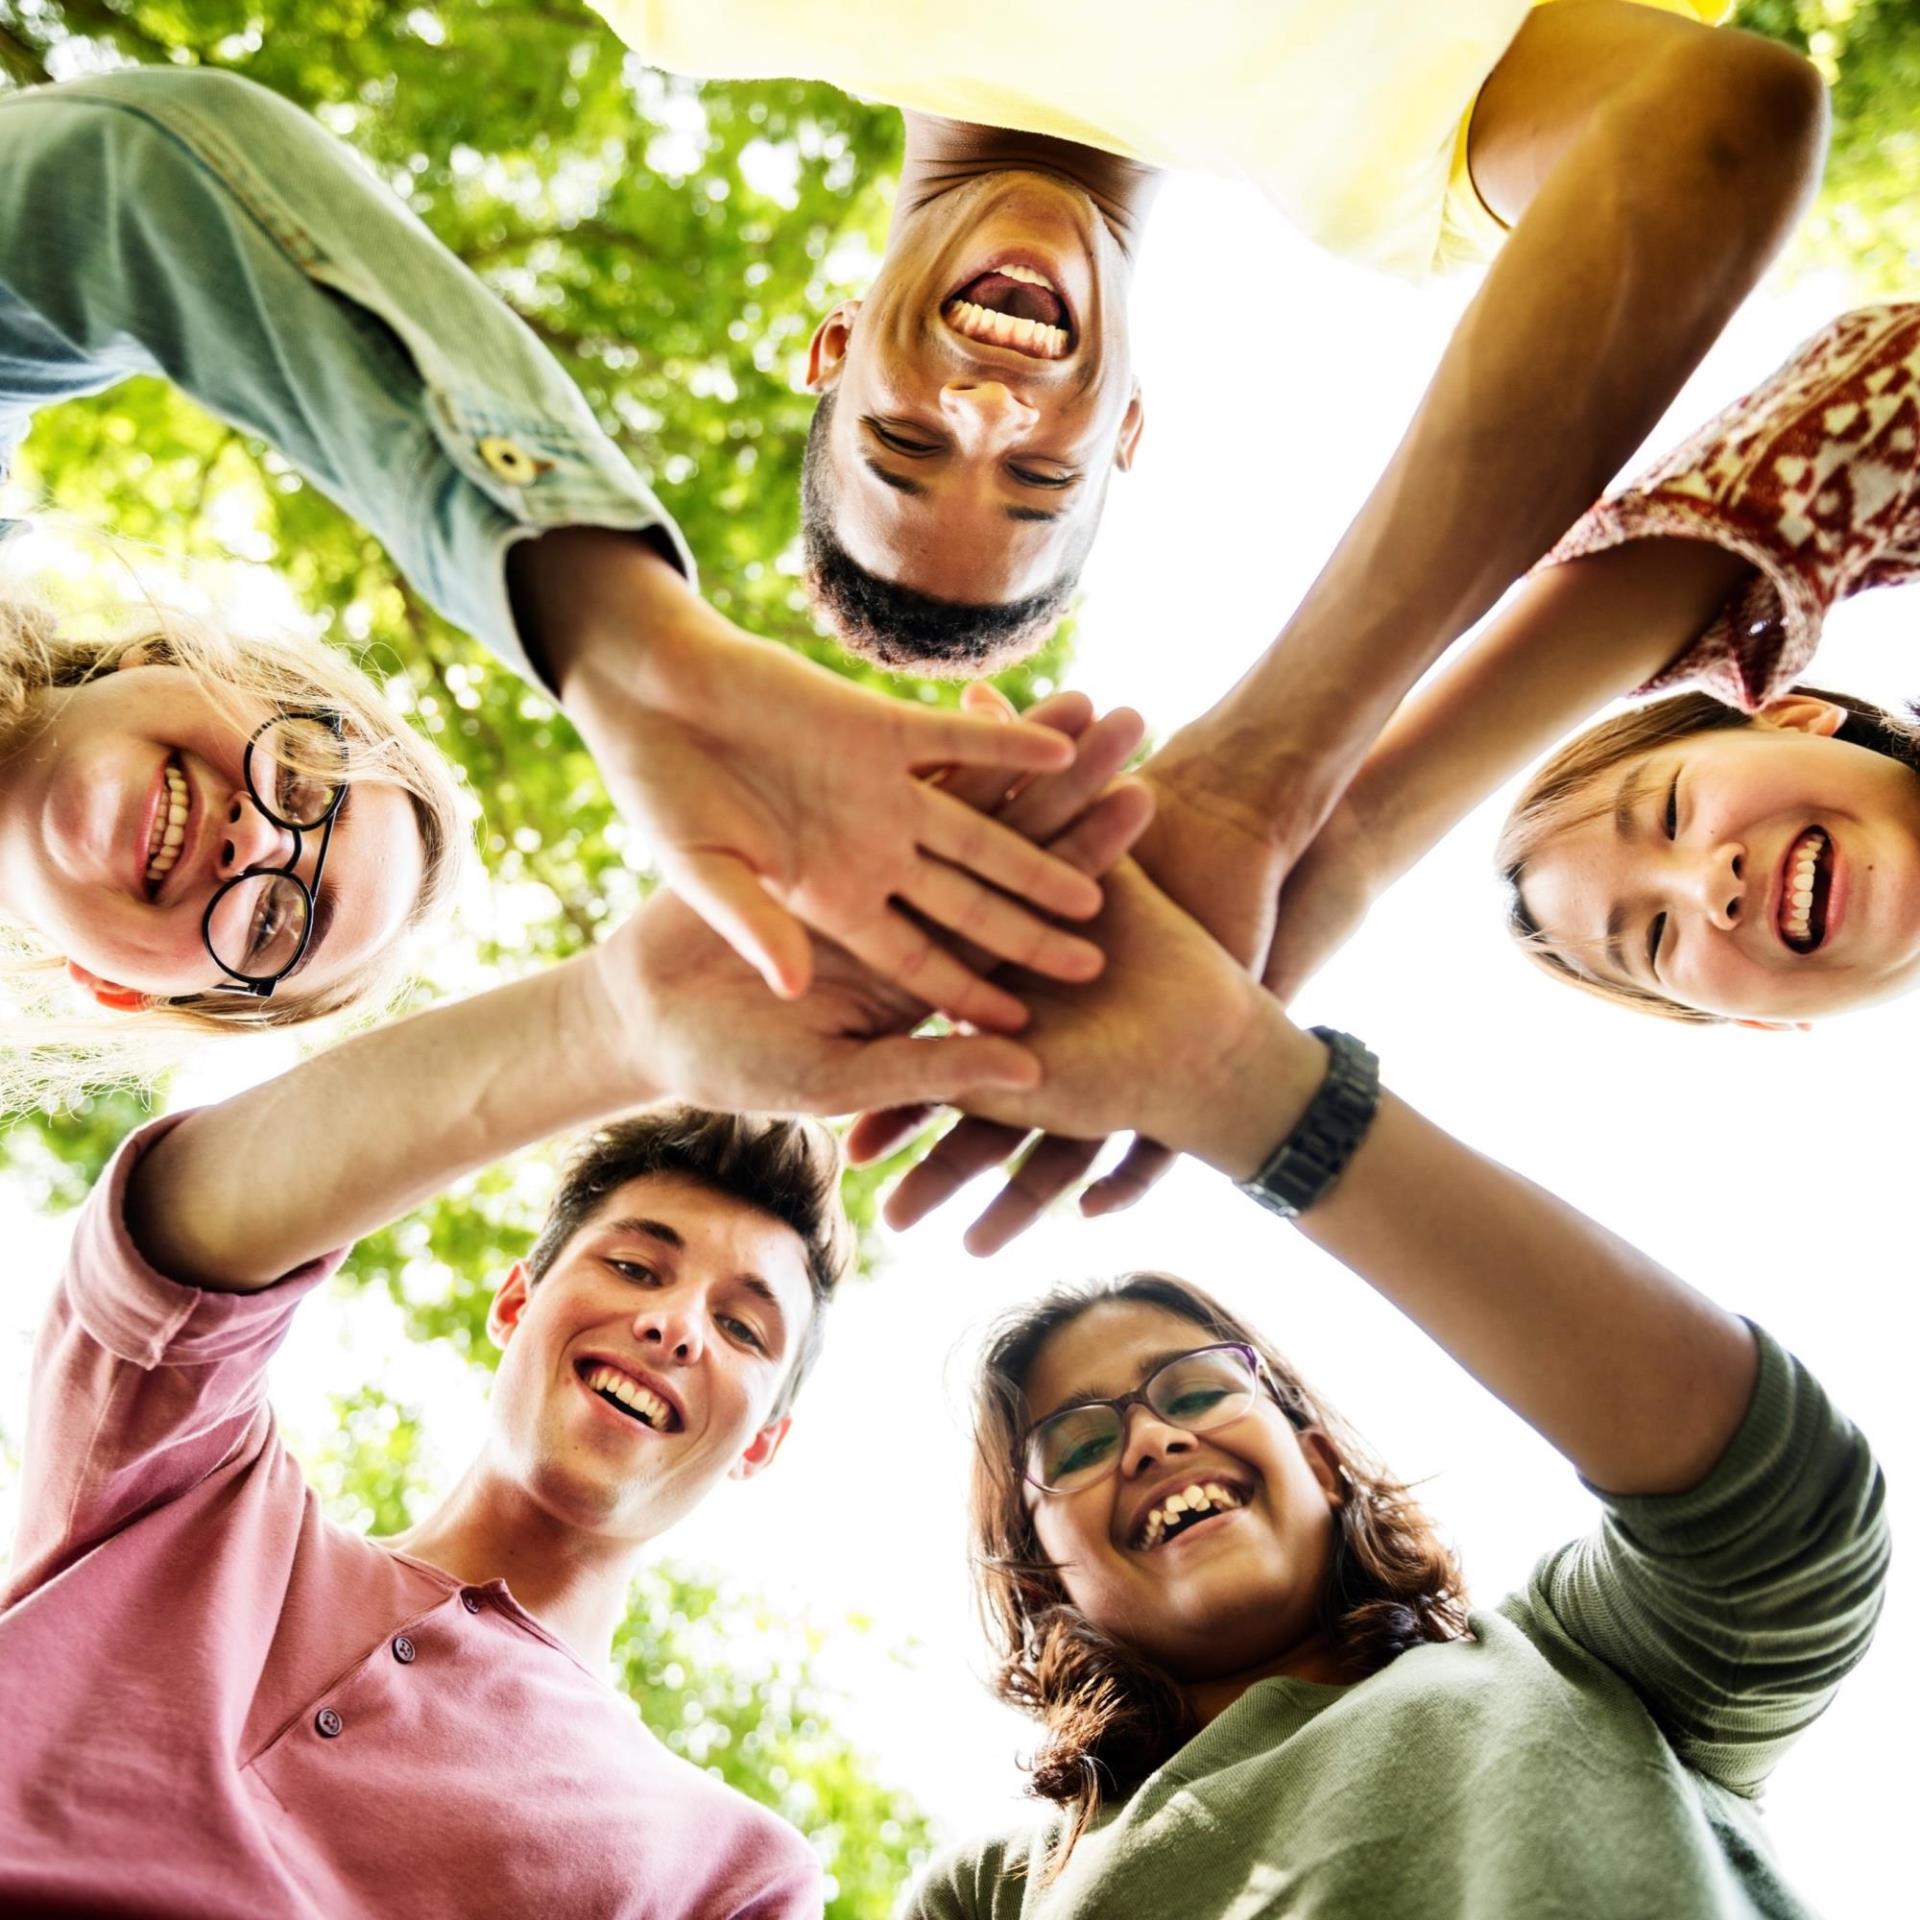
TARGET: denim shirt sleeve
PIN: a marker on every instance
(191, 224)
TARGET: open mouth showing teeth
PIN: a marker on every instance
(626, 1395)
(1013, 306)
(1803, 896)
(169, 831)
(1203, 1500)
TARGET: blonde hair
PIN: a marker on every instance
(1563, 795)
(52, 1050)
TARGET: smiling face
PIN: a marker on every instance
(1235, 1589)
(121, 817)
(646, 1362)
(1768, 873)
(982, 391)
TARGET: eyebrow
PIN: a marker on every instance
(901, 484)
(897, 481)
(1627, 797)
(672, 1237)
(1150, 1365)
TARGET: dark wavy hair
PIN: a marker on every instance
(1562, 795)
(899, 627)
(1111, 1716)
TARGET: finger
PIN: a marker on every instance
(882, 1131)
(986, 788)
(972, 740)
(1011, 862)
(1053, 1166)
(1143, 1164)
(1107, 830)
(962, 1154)
(726, 893)
(910, 957)
(1054, 801)
(900, 1069)
(999, 926)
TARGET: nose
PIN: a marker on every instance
(1151, 1440)
(985, 412)
(669, 1332)
(1719, 885)
(250, 839)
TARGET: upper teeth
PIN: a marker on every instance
(630, 1393)
(1796, 910)
(1003, 329)
(1011, 272)
(1206, 1496)
(169, 827)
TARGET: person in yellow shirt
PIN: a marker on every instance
(1634, 166)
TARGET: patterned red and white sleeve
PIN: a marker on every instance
(1814, 476)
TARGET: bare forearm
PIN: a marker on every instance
(1572, 639)
(1655, 220)
(1637, 1379)
(239, 1194)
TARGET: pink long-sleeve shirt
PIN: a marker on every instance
(218, 1704)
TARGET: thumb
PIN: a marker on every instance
(728, 895)
(882, 1131)
(902, 1071)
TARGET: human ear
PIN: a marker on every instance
(1131, 423)
(1323, 1462)
(827, 350)
(761, 1449)
(108, 993)
(1802, 713)
(509, 1305)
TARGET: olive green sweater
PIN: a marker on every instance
(1593, 1752)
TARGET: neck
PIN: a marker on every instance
(1316, 1659)
(572, 1581)
(944, 154)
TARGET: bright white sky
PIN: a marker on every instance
(1768, 1170)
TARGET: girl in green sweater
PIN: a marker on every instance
(1261, 1687)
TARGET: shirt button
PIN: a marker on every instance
(403, 1649)
(471, 1601)
(328, 1723)
(512, 462)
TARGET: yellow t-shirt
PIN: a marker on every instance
(1350, 117)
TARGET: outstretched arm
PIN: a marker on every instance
(191, 224)
(1637, 1379)
(1651, 169)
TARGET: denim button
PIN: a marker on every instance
(328, 1723)
(404, 1649)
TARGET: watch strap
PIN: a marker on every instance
(1315, 1152)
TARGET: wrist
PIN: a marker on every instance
(1232, 1115)
(601, 1032)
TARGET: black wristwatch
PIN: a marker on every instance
(1315, 1154)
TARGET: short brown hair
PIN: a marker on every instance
(1559, 796)
(786, 1168)
(1110, 1714)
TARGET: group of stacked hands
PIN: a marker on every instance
(1259, 1685)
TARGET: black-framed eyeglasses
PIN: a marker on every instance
(1080, 1445)
(258, 925)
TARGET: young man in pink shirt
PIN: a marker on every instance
(221, 1705)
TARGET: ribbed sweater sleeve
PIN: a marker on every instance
(1736, 1608)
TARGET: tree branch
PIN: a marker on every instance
(21, 61)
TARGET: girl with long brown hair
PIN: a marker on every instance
(1259, 1683)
